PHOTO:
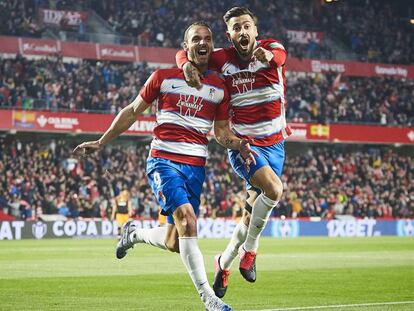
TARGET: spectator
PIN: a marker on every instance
(323, 181)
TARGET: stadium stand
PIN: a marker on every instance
(367, 31)
(374, 30)
(107, 87)
(19, 19)
(324, 181)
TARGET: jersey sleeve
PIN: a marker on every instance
(217, 59)
(223, 109)
(181, 58)
(216, 62)
(151, 89)
(279, 52)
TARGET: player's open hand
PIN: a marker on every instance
(262, 55)
(192, 75)
(247, 153)
(87, 147)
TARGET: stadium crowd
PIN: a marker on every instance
(331, 98)
(108, 87)
(373, 30)
(18, 18)
(376, 31)
(85, 86)
(44, 178)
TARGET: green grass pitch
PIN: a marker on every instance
(304, 272)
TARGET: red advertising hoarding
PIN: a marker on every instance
(67, 122)
(5, 119)
(81, 50)
(350, 68)
(347, 133)
(94, 123)
(14, 45)
(28, 46)
(123, 53)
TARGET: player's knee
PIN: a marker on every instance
(274, 190)
(173, 245)
(246, 218)
(188, 224)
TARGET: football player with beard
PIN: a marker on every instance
(254, 71)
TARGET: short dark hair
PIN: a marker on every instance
(201, 23)
(238, 11)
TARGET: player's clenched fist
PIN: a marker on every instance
(263, 55)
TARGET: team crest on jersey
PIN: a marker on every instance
(243, 81)
(190, 105)
(211, 93)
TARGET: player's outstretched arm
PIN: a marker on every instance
(123, 121)
(263, 55)
(275, 53)
(227, 139)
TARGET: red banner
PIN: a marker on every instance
(304, 37)
(5, 119)
(349, 68)
(14, 45)
(347, 133)
(62, 18)
(93, 123)
(125, 53)
(79, 50)
(29, 46)
(45, 121)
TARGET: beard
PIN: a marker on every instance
(199, 59)
(244, 51)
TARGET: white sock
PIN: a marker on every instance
(193, 260)
(231, 251)
(153, 236)
(262, 208)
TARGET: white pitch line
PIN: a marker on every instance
(340, 306)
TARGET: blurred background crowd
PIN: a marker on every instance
(107, 87)
(365, 30)
(41, 177)
(319, 180)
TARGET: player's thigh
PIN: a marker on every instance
(266, 179)
(246, 172)
(169, 187)
(275, 155)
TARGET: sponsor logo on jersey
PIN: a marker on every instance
(211, 93)
(243, 81)
(190, 105)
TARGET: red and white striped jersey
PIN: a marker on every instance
(257, 93)
(185, 115)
